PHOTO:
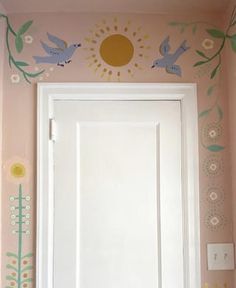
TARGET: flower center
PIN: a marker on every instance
(18, 170)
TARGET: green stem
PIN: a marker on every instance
(217, 53)
(233, 15)
(10, 56)
(20, 231)
(210, 110)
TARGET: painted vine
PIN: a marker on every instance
(19, 45)
(224, 36)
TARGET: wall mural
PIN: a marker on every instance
(60, 55)
(19, 65)
(208, 44)
(168, 60)
(19, 264)
(114, 51)
(211, 118)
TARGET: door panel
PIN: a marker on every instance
(118, 181)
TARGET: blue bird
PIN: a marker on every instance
(168, 60)
(60, 55)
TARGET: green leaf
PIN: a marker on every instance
(201, 54)
(24, 28)
(210, 90)
(215, 148)
(199, 63)
(215, 71)
(27, 280)
(9, 254)
(10, 278)
(11, 267)
(20, 63)
(27, 268)
(19, 44)
(233, 42)
(204, 113)
(220, 112)
(34, 75)
(216, 33)
(194, 29)
(27, 255)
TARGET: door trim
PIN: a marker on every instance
(48, 93)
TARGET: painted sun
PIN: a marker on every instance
(116, 50)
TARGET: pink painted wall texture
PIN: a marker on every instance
(231, 77)
(146, 48)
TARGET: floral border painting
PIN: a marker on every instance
(19, 264)
(117, 48)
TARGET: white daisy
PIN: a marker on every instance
(208, 44)
(15, 78)
(29, 39)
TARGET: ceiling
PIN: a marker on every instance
(109, 6)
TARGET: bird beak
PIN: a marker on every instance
(153, 66)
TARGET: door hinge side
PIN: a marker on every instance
(52, 130)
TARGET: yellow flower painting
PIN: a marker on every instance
(17, 170)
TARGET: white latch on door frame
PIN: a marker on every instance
(52, 129)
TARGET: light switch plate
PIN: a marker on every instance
(220, 256)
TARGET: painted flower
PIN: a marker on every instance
(214, 221)
(208, 44)
(213, 166)
(29, 39)
(17, 170)
(213, 196)
(212, 132)
(15, 78)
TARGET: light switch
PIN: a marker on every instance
(220, 256)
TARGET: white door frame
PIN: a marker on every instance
(48, 93)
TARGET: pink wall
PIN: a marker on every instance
(2, 56)
(231, 77)
(146, 33)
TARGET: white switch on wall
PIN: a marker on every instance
(220, 256)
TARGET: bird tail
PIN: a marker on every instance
(39, 59)
(184, 46)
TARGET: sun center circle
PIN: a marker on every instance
(117, 50)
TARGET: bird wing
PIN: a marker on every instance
(61, 44)
(174, 69)
(49, 50)
(165, 47)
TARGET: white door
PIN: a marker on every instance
(118, 211)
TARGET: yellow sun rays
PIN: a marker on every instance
(116, 50)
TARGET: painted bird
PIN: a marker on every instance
(60, 55)
(168, 60)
